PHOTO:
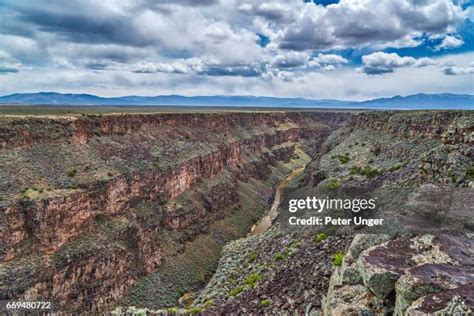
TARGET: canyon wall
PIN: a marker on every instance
(450, 126)
(419, 262)
(88, 201)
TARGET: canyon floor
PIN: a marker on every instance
(125, 212)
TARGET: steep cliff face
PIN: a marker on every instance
(92, 204)
(420, 263)
(450, 126)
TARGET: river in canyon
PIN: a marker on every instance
(266, 222)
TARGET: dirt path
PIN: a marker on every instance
(266, 222)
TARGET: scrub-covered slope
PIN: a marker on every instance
(420, 262)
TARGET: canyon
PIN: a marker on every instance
(92, 204)
(104, 212)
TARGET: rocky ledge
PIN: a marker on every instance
(416, 275)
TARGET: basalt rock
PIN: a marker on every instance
(406, 275)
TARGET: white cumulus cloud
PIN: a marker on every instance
(380, 63)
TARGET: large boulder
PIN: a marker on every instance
(411, 274)
(428, 279)
(459, 301)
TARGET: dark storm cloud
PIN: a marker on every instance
(5, 69)
(80, 24)
(234, 71)
(376, 70)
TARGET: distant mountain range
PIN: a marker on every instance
(416, 101)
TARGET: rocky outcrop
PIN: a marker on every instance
(405, 276)
(291, 273)
(449, 126)
(459, 301)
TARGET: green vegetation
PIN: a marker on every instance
(470, 173)
(207, 303)
(367, 171)
(279, 256)
(172, 311)
(333, 184)
(396, 167)
(31, 194)
(252, 279)
(72, 173)
(265, 303)
(195, 310)
(252, 257)
(355, 170)
(337, 259)
(236, 291)
(342, 158)
(320, 237)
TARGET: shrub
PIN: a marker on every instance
(376, 151)
(320, 237)
(110, 174)
(342, 158)
(252, 279)
(252, 257)
(396, 167)
(172, 311)
(370, 172)
(207, 303)
(279, 256)
(196, 310)
(470, 173)
(355, 170)
(337, 259)
(265, 303)
(367, 171)
(72, 173)
(236, 291)
(333, 184)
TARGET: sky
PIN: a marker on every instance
(324, 49)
